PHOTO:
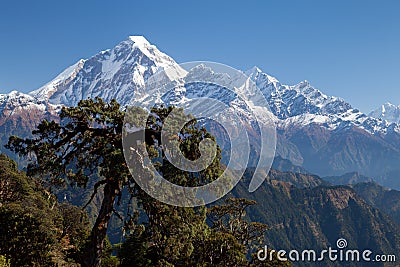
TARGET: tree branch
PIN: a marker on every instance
(96, 187)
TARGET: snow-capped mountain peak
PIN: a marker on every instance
(387, 111)
(255, 72)
(113, 73)
(139, 40)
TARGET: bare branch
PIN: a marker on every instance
(96, 187)
(118, 215)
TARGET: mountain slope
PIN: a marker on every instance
(20, 114)
(382, 198)
(348, 179)
(285, 165)
(316, 217)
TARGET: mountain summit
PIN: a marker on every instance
(113, 73)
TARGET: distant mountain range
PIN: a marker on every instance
(350, 178)
(323, 134)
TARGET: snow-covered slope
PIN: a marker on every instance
(17, 103)
(388, 112)
(45, 92)
(21, 113)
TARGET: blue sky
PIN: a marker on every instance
(349, 49)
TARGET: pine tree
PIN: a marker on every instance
(85, 143)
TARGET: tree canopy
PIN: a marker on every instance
(35, 230)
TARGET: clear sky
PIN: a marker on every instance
(346, 48)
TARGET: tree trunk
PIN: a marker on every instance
(92, 256)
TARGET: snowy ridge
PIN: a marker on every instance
(45, 92)
(15, 101)
(302, 104)
(17, 108)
